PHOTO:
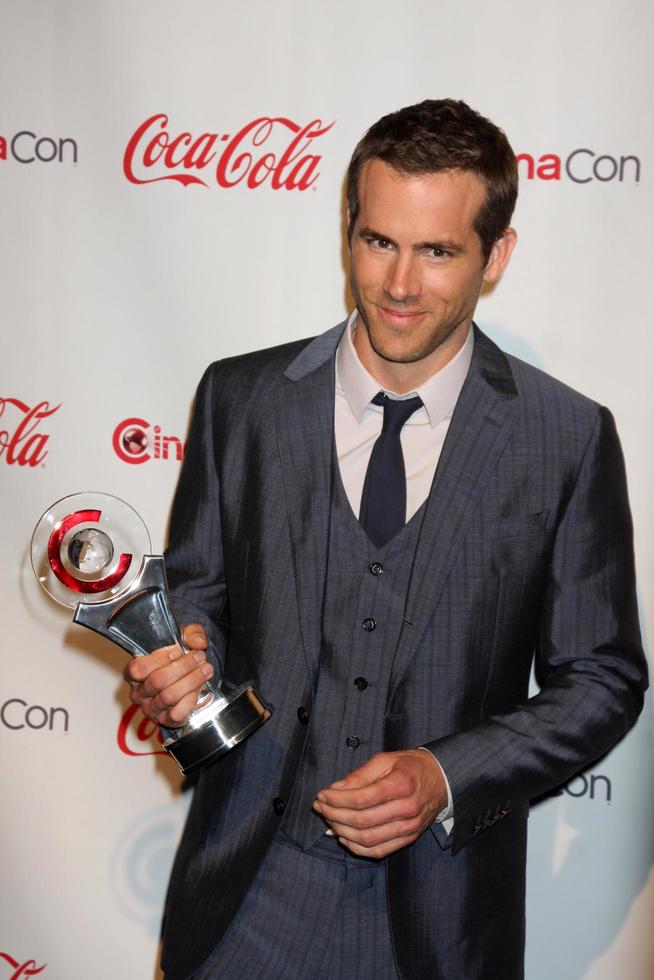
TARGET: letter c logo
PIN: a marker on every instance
(130, 441)
(63, 574)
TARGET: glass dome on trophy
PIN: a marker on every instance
(91, 552)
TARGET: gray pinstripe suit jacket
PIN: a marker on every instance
(525, 549)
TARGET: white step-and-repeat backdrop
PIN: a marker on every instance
(171, 179)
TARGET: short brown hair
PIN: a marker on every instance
(437, 135)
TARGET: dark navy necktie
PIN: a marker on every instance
(383, 501)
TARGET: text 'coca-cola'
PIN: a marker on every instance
(20, 442)
(269, 150)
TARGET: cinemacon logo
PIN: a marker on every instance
(16, 714)
(136, 441)
(581, 166)
(27, 147)
(594, 787)
(272, 150)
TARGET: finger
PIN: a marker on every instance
(379, 836)
(194, 637)
(380, 850)
(166, 699)
(174, 671)
(372, 770)
(138, 668)
(394, 784)
(403, 809)
(179, 713)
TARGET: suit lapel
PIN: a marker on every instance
(305, 432)
(480, 428)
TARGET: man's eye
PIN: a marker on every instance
(381, 243)
(438, 253)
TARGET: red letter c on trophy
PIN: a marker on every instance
(93, 554)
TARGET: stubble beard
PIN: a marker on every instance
(409, 358)
(412, 355)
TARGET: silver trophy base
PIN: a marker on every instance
(217, 728)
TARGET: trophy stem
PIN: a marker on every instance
(140, 620)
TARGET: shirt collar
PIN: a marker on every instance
(439, 393)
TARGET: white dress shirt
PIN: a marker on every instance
(358, 423)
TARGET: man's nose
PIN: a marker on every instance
(403, 282)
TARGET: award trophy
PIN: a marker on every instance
(90, 551)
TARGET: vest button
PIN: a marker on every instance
(375, 568)
(303, 716)
(360, 683)
(352, 742)
(278, 806)
(369, 625)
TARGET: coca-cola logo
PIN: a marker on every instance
(270, 149)
(26, 969)
(136, 733)
(582, 166)
(136, 441)
(20, 442)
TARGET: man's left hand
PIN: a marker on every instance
(386, 803)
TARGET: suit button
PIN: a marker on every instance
(352, 742)
(375, 568)
(278, 806)
(369, 625)
(360, 683)
(303, 716)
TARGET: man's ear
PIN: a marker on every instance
(500, 255)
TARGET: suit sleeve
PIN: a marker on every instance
(588, 653)
(194, 558)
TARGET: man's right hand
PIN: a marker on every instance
(166, 684)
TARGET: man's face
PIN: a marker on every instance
(417, 269)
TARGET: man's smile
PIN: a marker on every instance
(400, 317)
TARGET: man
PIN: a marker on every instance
(397, 647)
